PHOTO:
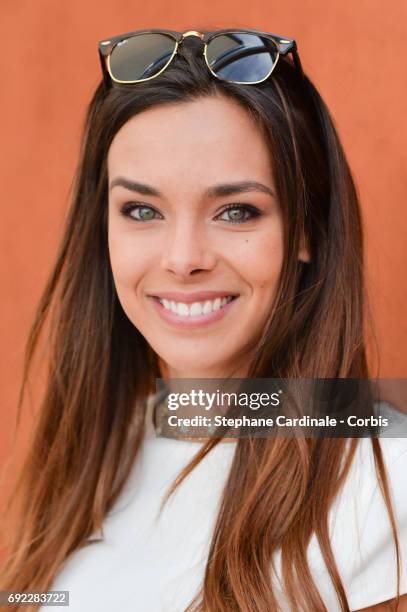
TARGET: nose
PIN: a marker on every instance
(187, 249)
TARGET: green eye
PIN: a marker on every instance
(145, 213)
(236, 214)
(139, 212)
(239, 213)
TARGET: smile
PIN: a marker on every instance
(193, 314)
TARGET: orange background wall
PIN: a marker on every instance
(355, 52)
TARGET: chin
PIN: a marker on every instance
(189, 366)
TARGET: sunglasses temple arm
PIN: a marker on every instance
(297, 61)
(106, 77)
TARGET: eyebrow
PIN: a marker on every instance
(222, 189)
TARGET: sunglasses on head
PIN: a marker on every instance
(245, 57)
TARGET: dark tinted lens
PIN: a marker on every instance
(141, 57)
(240, 57)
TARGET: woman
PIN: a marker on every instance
(214, 232)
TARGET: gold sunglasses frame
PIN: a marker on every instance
(283, 46)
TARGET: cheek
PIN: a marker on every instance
(261, 260)
(127, 260)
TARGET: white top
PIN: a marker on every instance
(151, 563)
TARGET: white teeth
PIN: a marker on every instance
(183, 309)
(216, 304)
(195, 309)
(207, 307)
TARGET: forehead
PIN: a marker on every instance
(196, 141)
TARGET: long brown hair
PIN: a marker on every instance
(91, 420)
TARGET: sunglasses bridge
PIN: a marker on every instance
(192, 33)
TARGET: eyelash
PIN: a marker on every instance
(128, 208)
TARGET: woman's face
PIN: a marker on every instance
(195, 233)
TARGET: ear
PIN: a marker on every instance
(303, 253)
